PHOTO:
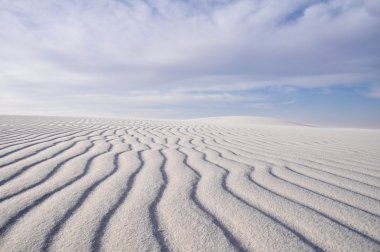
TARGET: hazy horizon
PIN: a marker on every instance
(312, 62)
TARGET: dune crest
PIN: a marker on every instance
(245, 121)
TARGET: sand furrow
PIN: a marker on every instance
(25, 145)
(153, 212)
(129, 220)
(62, 230)
(42, 156)
(195, 198)
(346, 170)
(319, 159)
(340, 183)
(296, 212)
(370, 206)
(27, 176)
(177, 209)
(32, 199)
(365, 203)
(252, 228)
(93, 184)
(37, 172)
(32, 150)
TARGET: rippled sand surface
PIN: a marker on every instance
(90, 184)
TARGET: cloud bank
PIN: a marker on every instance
(153, 53)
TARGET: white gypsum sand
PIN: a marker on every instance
(209, 184)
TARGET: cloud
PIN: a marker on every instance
(156, 98)
(136, 102)
(109, 49)
(270, 105)
(288, 102)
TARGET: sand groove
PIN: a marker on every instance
(92, 184)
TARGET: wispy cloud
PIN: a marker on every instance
(270, 105)
(141, 99)
(109, 49)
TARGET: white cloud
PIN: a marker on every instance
(270, 105)
(148, 103)
(110, 48)
(170, 98)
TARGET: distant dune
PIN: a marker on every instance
(209, 184)
(246, 121)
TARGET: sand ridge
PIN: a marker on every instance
(219, 184)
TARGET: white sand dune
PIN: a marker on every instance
(210, 184)
(244, 121)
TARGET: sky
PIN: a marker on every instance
(309, 61)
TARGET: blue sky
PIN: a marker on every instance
(315, 62)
